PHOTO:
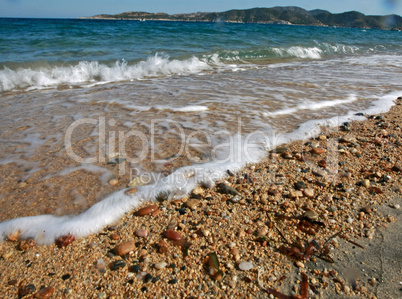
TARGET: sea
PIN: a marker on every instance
(157, 108)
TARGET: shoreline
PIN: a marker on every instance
(271, 211)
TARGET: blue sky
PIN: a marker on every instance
(77, 8)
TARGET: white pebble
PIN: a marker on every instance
(245, 266)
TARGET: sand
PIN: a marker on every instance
(326, 209)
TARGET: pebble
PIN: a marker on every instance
(24, 245)
(14, 236)
(396, 206)
(300, 185)
(124, 248)
(172, 235)
(131, 191)
(318, 151)
(366, 183)
(26, 290)
(172, 281)
(63, 241)
(135, 268)
(225, 189)
(235, 199)
(44, 293)
(117, 265)
(148, 277)
(142, 233)
(160, 265)
(263, 230)
(245, 266)
(147, 210)
(113, 182)
(310, 215)
(308, 193)
(192, 204)
(299, 264)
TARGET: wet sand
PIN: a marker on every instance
(326, 210)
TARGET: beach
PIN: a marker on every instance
(327, 208)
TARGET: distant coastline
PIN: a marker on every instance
(290, 15)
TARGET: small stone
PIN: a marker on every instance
(396, 206)
(390, 218)
(113, 182)
(235, 199)
(148, 277)
(147, 210)
(318, 151)
(14, 236)
(308, 193)
(63, 241)
(135, 268)
(172, 281)
(299, 264)
(311, 215)
(117, 265)
(192, 204)
(366, 210)
(115, 237)
(131, 191)
(172, 235)
(300, 185)
(245, 266)
(225, 189)
(24, 245)
(44, 293)
(198, 191)
(160, 265)
(26, 290)
(124, 248)
(366, 183)
(142, 233)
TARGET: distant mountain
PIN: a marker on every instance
(276, 15)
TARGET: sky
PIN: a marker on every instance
(80, 8)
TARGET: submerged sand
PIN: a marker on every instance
(326, 209)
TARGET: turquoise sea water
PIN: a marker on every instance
(76, 94)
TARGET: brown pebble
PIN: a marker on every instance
(24, 245)
(172, 235)
(366, 210)
(192, 204)
(143, 233)
(124, 248)
(63, 241)
(131, 191)
(115, 237)
(147, 210)
(318, 151)
(14, 236)
(44, 293)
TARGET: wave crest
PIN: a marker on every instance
(86, 72)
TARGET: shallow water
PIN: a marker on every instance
(186, 94)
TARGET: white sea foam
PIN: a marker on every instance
(192, 108)
(299, 52)
(307, 105)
